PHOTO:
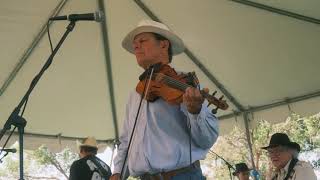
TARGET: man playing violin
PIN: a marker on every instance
(169, 139)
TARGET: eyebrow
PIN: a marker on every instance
(140, 38)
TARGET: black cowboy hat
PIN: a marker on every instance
(240, 167)
(281, 139)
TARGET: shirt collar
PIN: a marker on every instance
(286, 167)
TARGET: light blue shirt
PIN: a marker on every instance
(161, 140)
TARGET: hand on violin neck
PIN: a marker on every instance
(193, 100)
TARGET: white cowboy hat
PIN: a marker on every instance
(154, 27)
(89, 142)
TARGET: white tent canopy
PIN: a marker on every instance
(264, 62)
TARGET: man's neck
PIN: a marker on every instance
(159, 62)
(88, 155)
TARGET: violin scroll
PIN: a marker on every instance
(220, 103)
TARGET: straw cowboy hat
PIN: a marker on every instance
(281, 139)
(153, 27)
(88, 142)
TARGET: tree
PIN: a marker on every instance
(233, 147)
(9, 164)
(61, 161)
(10, 167)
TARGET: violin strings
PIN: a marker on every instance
(179, 84)
(184, 86)
(174, 82)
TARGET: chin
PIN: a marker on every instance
(278, 165)
(140, 63)
(275, 163)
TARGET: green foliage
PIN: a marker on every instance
(61, 161)
(66, 158)
(11, 164)
(44, 156)
(37, 162)
(234, 147)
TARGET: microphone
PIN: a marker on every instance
(97, 16)
(10, 150)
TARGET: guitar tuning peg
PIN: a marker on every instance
(221, 97)
(214, 93)
(214, 111)
(209, 104)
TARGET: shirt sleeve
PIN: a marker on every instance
(123, 147)
(204, 126)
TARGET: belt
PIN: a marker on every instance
(169, 174)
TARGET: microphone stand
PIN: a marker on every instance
(17, 120)
(227, 163)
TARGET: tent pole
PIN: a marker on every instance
(106, 48)
(58, 137)
(272, 105)
(246, 123)
(278, 11)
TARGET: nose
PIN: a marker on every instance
(136, 45)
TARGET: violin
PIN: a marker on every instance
(167, 84)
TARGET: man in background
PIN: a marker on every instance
(242, 171)
(284, 157)
(89, 167)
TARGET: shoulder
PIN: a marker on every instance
(76, 170)
(79, 164)
(76, 163)
(304, 169)
(303, 165)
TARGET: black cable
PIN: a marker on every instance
(48, 24)
(24, 106)
(189, 133)
(189, 126)
(190, 154)
(7, 139)
(3, 157)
